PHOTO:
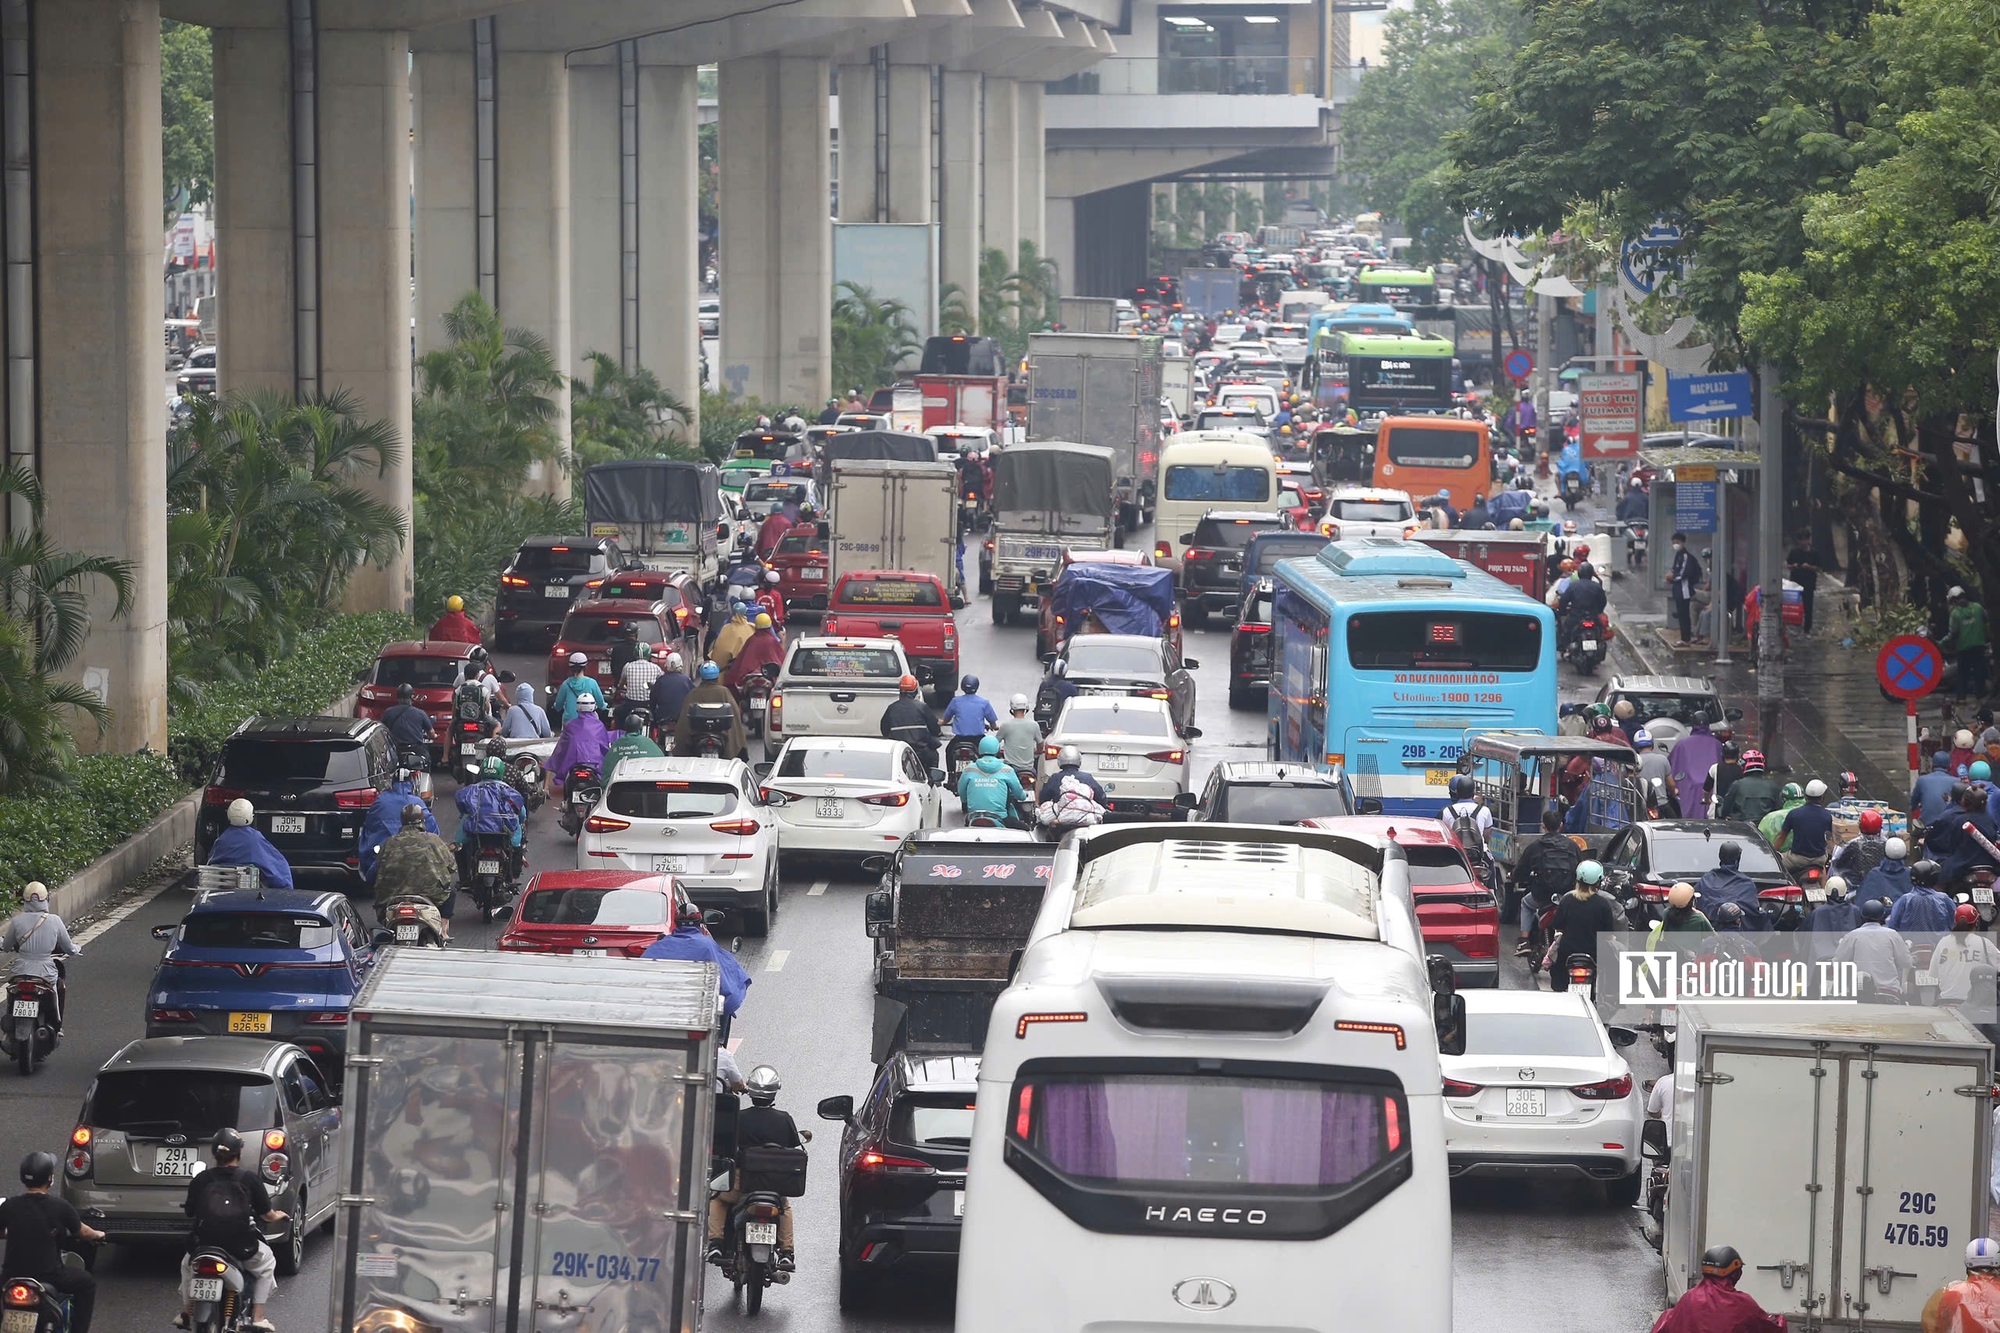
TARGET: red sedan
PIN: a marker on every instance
(593, 913)
(1457, 914)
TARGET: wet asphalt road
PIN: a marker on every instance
(1542, 1257)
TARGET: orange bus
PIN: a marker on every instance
(1425, 455)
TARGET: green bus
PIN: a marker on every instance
(1381, 373)
(1402, 288)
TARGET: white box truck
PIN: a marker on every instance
(528, 1143)
(1177, 383)
(1842, 1149)
(1102, 389)
(886, 514)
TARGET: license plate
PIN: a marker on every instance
(819, 574)
(27, 1008)
(830, 807)
(590, 953)
(1042, 552)
(176, 1162)
(760, 1233)
(20, 1321)
(1114, 763)
(1590, 645)
(1926, 977)
(958, 1203)
(1438, 777)
(254, 1023)
(288, 823)
(489, 867)
(1815, 895)
(202, 1289)
(556, 592)
(408, 934)
(469, 747)
(1527, 1101)
(1983, 894)
(670, 864)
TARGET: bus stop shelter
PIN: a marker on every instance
(1710, 494)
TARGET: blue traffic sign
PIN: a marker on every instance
(1518, 364)
(1709, 397)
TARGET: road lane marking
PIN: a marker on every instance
(777, 963)
(119, 914)
(819, 887)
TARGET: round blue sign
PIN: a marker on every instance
(1518, 364)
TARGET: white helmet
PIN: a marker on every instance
(1895, 849)
(1018, 704)
(1982, 1254)
(675, 662)
(578, 659)
(586, 703)
(241, 812)
(1963, 740)
(1836, 887)
(36, 892)
(763, 1085)
(1069, 757)
(1815, 789)
(773, 577)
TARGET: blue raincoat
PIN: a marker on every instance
(247, 847)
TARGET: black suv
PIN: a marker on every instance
(311, 780)
(902, 1169)
(544, 577)
(1212, 569)
(1262, 791)
(1250, 648)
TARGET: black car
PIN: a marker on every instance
(1259, 791)
(312, 780)
(1250, 648)
(1212, 569)
(902, 1169)
(545, 576)
(1645, 860)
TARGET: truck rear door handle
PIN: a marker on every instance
(842, 698)
(890, 624)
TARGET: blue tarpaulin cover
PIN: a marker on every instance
(1126, 599)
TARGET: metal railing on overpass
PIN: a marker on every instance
(1252, 76)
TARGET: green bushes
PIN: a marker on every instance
(52, 836)
(318, 672)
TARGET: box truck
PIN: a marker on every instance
(886, 514)
(1842, 1149)
(1177, 383)
(528, 1143)
(1211, 291)
(1102, 389)
(1087, 314)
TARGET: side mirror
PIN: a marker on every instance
(361, 676)
(1654, 1143)
(1048, 659)
(938, 777)
(1184, 800)
(761, 771)
(876, 865)
(1622, 1037)
(879, 913)
(1186, 539)
(714, 920)
(1449, 1013)
(1368, 805)
(839, 1108)
(1191, 733)
(1191, 664)
(1732, 714)
(164, 932)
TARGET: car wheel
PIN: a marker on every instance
(771, 888)
(857, 1289)
(291, 1252)
(757, 920)
(1239, 695)
(1624, 1193)
(1195, 615)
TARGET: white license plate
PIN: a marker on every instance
(1043, 552)
(408, 934)
(760, 1233)
(489, 868)
(176, 1162)
(1527, 1101)
(590, 953)
(819, 574)
(830, 807)
(1983, 894)
(556, 592)
(1114, 763)
(670, 864)
(288, 823)
(202, 1289)
(1590, 645)
(469, 747)
(27, 1008)
(958, 1203)
(1815, 895)
(1926, 977)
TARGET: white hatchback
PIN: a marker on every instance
(703, 821)
(1368, 511)
(858, 795)
(1542, 1091)
(1130, 746)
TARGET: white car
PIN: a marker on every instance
(836, 687)
(1542, 1091)
(849, 795)
(1130, 746)
(703, 821)
(1226, 334)
(1368, 511)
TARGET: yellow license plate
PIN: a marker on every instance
(1439, 777)
(256, 1023)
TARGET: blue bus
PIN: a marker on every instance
(1388, 654)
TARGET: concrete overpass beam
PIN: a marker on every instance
(670, 232)
(885, 141)
(909, 144)
(960, 240)
(446, 189)
(777, 246)
(253, 209)
(99, 303)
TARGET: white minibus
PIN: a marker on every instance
(1210, 1098)
(1209, 469)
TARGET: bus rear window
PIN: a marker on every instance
(1441, 640)
(1218, 485)
(1432, 446)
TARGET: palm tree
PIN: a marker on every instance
(624, 414)
(36, 747)
(1039, 282)
(486, 409)
(954, 315)
(871, 337)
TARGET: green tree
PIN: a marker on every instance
(623, 414)
(187, 115)
(954, 316)
(485, 412)
(871, 337)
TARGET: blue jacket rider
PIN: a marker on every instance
(968, 714)
(491, 805)
(242, 845)
(1924, 907)
(692, 941)
(1728, 884)
(385, 819)
(989, 786)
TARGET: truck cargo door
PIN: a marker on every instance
(1771, 1133)
(613, 1170)
(1912, 1184)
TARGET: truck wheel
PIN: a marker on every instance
(985, 581)
(1004, 606)
(1118, 535)
(1625, 1193)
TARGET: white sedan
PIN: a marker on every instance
(1542, 1091)
(1130, 746)
(703, 821)
(1368, 511)
(849, 795)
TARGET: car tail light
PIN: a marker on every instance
(1051, 751)
(1161, 550)
(593, 583)
(173, 1016)
(1410, 533)
(1166, 756)
(1152, 694)
(327, 1017)
(513, 581)
(81, 1137)
(829, 624)
(77, 1164)
(219, 795)
(1174, 620)
(605, 824)
(1249, 627)
(742, 828)
(20, 1293)
(1456, 1088)
(877, 1161)
(777, 711)
(634, 950)
(888, 799)
(359, 798)
(1200, 555)
(1789, 893)
(1328, 528)
(1610, 1090)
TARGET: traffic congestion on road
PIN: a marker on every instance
(1125, 848)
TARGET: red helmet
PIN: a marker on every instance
(1965, 915)
(1753, 761)
(1870, 821)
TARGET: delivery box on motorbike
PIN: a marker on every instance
(524, 1124)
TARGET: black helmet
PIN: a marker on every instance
(1586, 570)
(1729, 916)
(38, 1169)
(1721, 1261)
(1461, 787)
(631, 630)
(226, 1143)
(1875, 909)
(970, 684)
(638, 719)
(1925, 873)
(477, 654)
(405, 692)
(1730, 853)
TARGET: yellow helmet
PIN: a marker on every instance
(454, 603)
(763, 620)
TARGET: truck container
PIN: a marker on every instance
(888, 514)
(1177, 383)
(1842, 1149)
(1102, 389)
(663, 510)
(1519, 558)
(964, 400)
(1211, 291)
(528, 1144)
(1047, 498)
(1088, 314)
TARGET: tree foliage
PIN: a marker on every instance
(872, 337)
(485, 413)
(187, 115)
(623, 413)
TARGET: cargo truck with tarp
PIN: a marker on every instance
(666, 511)
(1047, 497)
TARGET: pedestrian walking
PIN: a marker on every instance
(1968, 640)
(1682, 579)
(1804, 564)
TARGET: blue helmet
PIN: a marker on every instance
(988, 745)
(710, 671)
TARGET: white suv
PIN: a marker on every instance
(703, 821)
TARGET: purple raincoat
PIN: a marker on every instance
(1693, 755)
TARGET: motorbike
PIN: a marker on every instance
(749, 1256)
(581, 789)
(1660, 804)
(524, 772)
(491, 871)
(1581, 969)
(1573, 489)
(28, 1305)
(708, 728)
(960, 753)
(29, 1033)
(468, 731)
(1657, 1152)
(755, 696)
(218, 1294)
(1635, 550)
(409, 919)
(1588, 643)
(1977, 888)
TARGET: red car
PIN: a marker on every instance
(593, 913)
(432, 667)
(910, 607)
(801, 564)
(675, 587)
(595, 627)
(1457, 914)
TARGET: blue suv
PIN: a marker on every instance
(281, 965)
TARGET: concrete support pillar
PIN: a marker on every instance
(364, 238)
(596, 204)
(670, 231)
(446, 202)
(533, 222)
(777, 247)
(1060, 243)
(959, 243)
(1030, 165)
(905, 159)
(1001, 170)
(858, 128)
(99, 303)
(253, 209)
(909, 143)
